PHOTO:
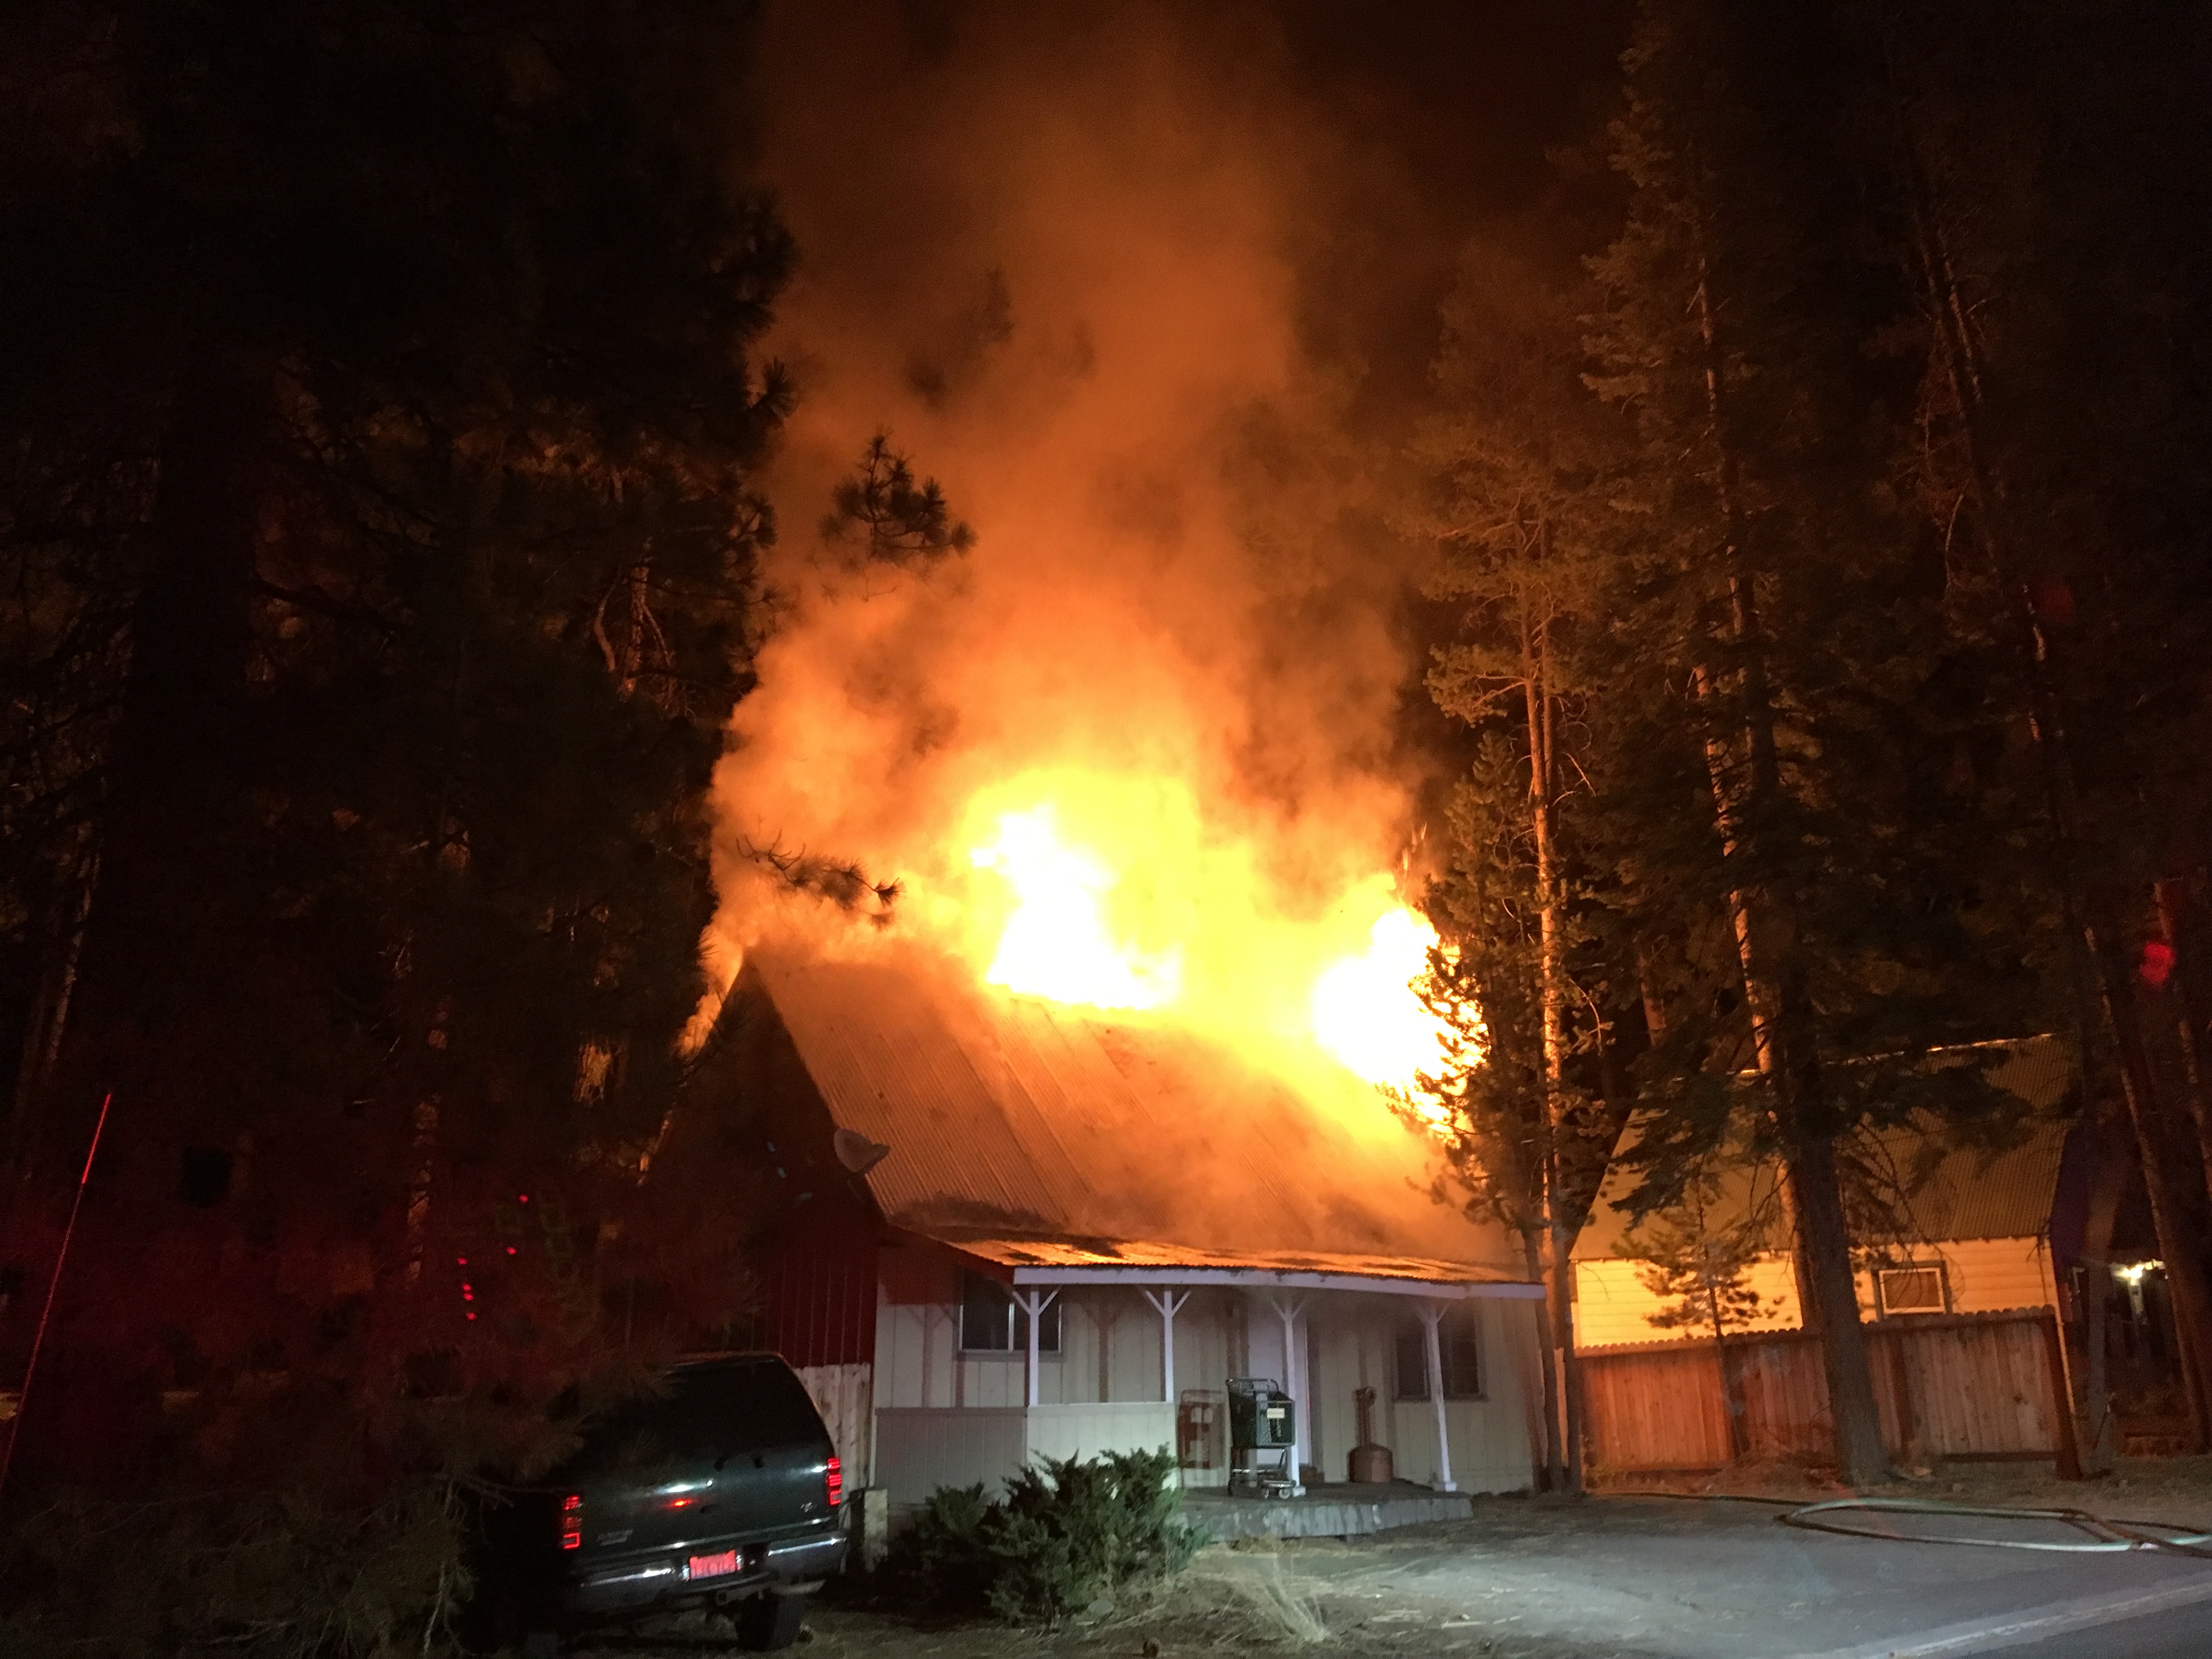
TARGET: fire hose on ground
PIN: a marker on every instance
(2104, 1536)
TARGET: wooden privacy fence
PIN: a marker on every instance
(1961, 1386)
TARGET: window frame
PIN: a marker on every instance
(1881, 1276)
(1466, 1341)
(975, 1287)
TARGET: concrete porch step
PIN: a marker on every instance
(1330, 1512)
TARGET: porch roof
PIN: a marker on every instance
(1439, 1287)
(1042, 1136)
(1036, 1263)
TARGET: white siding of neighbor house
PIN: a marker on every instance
(1982, 1275)
(1111, 1354)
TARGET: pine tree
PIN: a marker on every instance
(1519, 456)
(424, 337)
(2043, 158)
(1699, 1260)
(1780, 650)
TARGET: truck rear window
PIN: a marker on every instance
(710, 1411)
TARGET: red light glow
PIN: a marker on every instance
(834, 1479)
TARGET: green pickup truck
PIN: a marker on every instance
(726, 1491)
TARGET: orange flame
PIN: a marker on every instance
(1113, 894)
(1365, 1009)
(1056, 944)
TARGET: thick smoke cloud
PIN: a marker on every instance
(1059, 254)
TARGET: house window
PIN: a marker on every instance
(992, 1322)
(1455, 1347)
(1911, 1290)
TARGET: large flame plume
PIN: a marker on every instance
(1135, 750)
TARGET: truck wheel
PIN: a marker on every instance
(769, 1621)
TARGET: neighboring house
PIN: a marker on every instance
(1951, 1228)
(1008, 1227)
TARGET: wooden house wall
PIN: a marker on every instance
(1110, 1341)
(1984, 1275)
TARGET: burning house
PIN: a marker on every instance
(1009, 1226)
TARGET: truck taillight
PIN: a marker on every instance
(834, 1479)
(572, 1522)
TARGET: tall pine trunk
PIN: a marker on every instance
(2185, 1003)
(2110, 1166)
(47, 1026)
(1543, 817)
(182, 754)
(1536, 1254)
(1764, 925)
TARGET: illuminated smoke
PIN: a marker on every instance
(1134, 748)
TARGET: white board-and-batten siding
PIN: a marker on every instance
(1981, 1275)
(956, 1418)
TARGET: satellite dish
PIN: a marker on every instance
(857, 1152)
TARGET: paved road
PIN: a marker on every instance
(1656, 1579)
(2182, 1633)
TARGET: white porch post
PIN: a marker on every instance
(1167, 1304)
(1286, 1310)
(1432, 1316)
(1033, 1303)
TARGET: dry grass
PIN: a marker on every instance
(1259, 1600)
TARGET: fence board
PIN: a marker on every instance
(1959, 1385)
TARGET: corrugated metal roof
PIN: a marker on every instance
(1033, 1253)
(1919, 1183)
(1020, 1125)
(1938, 1188)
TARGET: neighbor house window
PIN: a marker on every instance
(1455, 1347)
(1911, 1290)
(992, 1322)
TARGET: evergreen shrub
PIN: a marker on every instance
(1068, 1532)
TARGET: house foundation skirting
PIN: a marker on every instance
(921, 1447)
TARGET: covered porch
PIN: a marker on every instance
(1302, 1327)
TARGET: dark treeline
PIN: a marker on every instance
(379, 540)
(1826, 554)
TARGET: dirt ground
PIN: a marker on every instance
(1266, 1597)
(1257, 1597)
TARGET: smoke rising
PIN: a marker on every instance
(1060, 254)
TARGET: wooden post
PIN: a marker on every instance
(1431, 1316)
(1033, 1303)
(1286, 1310)
(1167, 1304)
(1901, 1379)
(2062, 1408)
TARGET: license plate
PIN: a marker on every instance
(712, 1567)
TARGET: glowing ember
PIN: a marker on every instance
(1056, 944)
(1366, 1011)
